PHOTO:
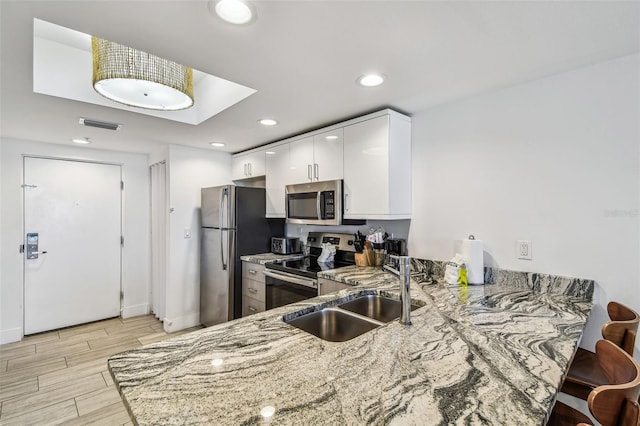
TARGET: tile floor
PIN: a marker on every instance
(61, 377)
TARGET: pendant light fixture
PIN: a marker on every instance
(139, 79)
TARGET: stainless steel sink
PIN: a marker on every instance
(333, 324)
(379, 308)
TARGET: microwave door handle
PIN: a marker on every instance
(318, 205)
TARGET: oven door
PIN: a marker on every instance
(283, 288)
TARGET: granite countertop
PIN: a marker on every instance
(270, 257)
(492, 354)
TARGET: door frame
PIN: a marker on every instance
(24, 231)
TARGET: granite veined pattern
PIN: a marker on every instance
(492, 354)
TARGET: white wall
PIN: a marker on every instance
(136, 252)
(189, 170)
(555, 161)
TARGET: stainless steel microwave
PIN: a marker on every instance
(315, 203)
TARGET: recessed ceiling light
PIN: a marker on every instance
(371, 80)
(81, 141)
(270, 152)
(238, 12)
(268, 122)
(216, 144)
(331, 137)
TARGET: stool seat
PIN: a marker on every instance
(613, 404)
(563, 415)
(585, 373)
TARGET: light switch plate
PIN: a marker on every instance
(187, 232)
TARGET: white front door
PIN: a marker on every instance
(74, 207)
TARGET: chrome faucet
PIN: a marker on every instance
(405, 284)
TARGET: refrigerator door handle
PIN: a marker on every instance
(224, 263)
(225, 194)
(220, 210)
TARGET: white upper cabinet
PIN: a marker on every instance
(278, 176)
(377, 179)
(301, 160)
(327, 155)
(317, 157)
(249, 165)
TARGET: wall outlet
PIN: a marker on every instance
(523, 249)
(187, 232)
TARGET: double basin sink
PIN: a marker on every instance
(350, 319)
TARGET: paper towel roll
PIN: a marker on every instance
(472, 251)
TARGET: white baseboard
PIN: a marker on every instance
(10, 335)
(180, 323)
(135, 310)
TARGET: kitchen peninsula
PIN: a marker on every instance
(492, 354)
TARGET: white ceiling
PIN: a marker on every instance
(303, 58)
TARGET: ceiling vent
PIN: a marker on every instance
(100, 124)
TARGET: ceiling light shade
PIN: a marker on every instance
(371, 80)
(268, 122)
(217, 144)
(139, 79)
(238, 12)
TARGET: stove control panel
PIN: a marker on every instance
(342, 242)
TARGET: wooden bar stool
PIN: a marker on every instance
(614, 404)
(585, 373)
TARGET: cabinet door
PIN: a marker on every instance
(366, 175)
(251, 306)
(256, 163)
(278, 176)
(244, 166)
(326, 286)
(327, 155)
(239, 167)
(301, 160)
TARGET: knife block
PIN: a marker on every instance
(367, 257)
(361, 259)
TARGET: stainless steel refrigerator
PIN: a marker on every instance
(233, 225)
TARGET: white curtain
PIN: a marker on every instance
(159, 223)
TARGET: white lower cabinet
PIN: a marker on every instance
(253, 288)
(377, 173)
(326, 286)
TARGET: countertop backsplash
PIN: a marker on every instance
(545, 283)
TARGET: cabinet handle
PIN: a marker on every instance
(250, 171)
(253, 271)
(252, 290)
(316, 175)
(346, 205)
(245, 168)
(252, 309)
(309, 172)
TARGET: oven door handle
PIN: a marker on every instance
(292, 279)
